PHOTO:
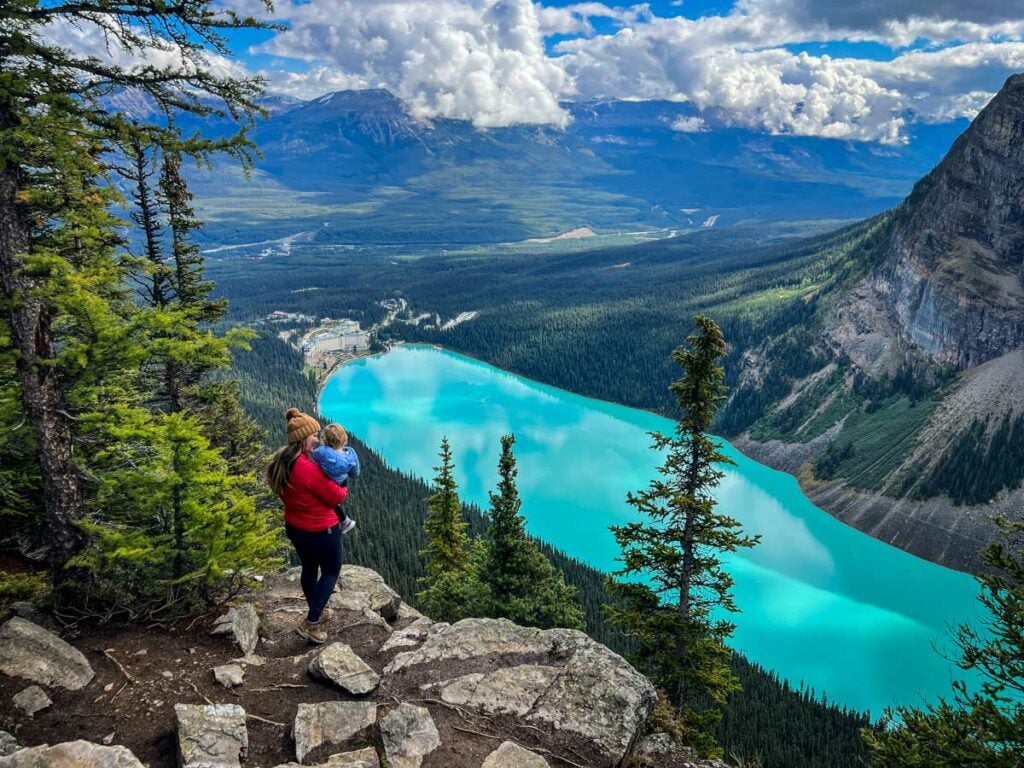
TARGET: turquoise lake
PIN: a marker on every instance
(823, 605)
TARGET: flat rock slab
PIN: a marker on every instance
(29, 651)
(476, 638)
(243, 624)
(72, 754)
(340, 665)
(511, 755)
(211, 735)
(31, 700)
(229, 675)
(8, 744)
(407, 735)
(507, 691)
(331, 723)
(382, 598)
(575, 684)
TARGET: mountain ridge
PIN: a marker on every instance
(942, 313)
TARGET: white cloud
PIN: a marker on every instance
(689, 125)
(486, 60)
(479, 60)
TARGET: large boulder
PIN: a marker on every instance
(243, 624)
(407, 735)
(332, 724)
(558, 678)
(511, 755)
(340, 665)
(72, 754)
(357, 581)
(29, 651)
(599, 696)
(211, 735)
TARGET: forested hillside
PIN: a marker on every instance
(769, 718)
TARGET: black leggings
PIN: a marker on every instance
(321, 555)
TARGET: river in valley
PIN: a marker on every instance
(823, 605)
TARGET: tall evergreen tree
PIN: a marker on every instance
(520, 583)
(979, 727)
(56, 261)
(450, 587)
(675, 611)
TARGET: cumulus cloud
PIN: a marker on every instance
(737, 65)
(479, 60)
(489, 61)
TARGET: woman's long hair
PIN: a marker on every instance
(279, 471)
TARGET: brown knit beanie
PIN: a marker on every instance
(300, 425)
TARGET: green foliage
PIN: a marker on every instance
(674, 614)
(172, 528)
(978, 727)
(450, 588)
(520, 582)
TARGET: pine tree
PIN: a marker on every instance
(60, 283)
(677, 552)
(980, 727)
(449, 588)
(520, 583)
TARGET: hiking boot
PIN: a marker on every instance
(347, 525)
(315, 633)
(326, 615)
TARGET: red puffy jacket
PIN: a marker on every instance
(310, 497)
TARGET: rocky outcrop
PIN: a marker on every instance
(29, 651)
(478, 692)
(72, 754)
(558, 678)
(956, 280)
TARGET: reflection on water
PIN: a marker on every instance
(823, 604)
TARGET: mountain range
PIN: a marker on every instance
(357, 167)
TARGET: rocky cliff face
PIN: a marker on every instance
(940, 306)
(955, 278)
(390, 688)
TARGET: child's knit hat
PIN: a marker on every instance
(300, 425)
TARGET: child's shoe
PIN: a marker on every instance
(347, 524)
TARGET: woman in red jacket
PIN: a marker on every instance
(311, 523)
